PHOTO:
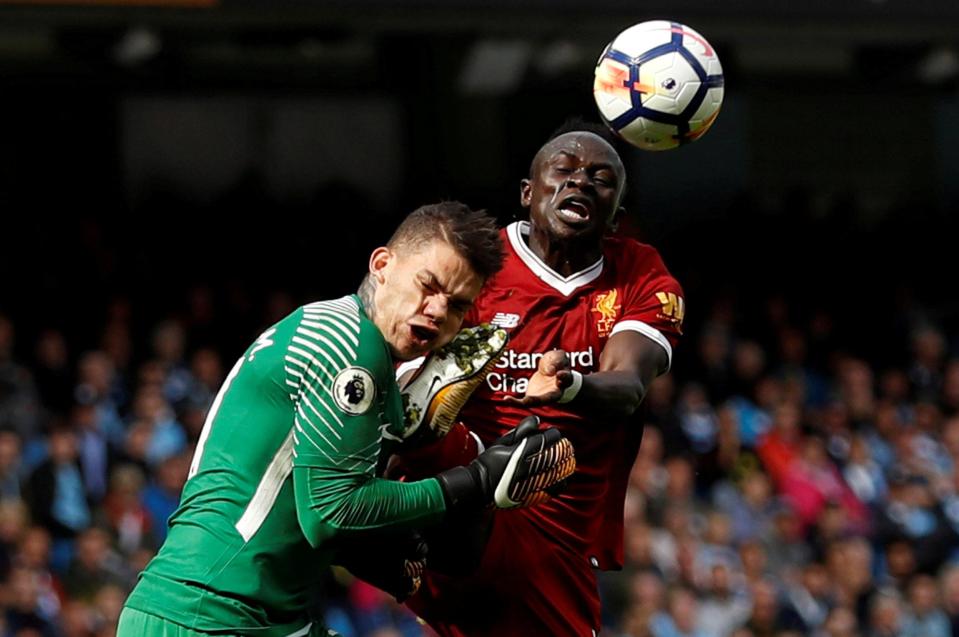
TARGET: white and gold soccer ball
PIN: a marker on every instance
(658, 85)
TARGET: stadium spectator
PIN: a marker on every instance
(55, 491)
(925, 617)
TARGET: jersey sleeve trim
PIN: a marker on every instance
(649, 332)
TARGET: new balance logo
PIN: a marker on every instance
(505, 320)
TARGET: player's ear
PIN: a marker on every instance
(525, 192)
(379, 261)
(613, 223)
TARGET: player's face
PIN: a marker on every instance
(421, 296)
(574, 189)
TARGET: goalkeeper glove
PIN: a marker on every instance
(515, 471)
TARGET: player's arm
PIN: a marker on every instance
(328, 505)
(628, 364)
(638, 350)
(334, 478)
(335, 458)
(332, 497)
(337, 388)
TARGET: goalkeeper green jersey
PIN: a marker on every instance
(286, 463)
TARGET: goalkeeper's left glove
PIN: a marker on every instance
(518, 470)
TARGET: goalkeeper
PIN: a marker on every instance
(284, 475)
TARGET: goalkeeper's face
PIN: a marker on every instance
(422, 294)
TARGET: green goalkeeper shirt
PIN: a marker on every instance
(285, 464)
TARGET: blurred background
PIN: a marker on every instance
(177, 175)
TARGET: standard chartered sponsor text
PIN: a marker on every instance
(503, 381)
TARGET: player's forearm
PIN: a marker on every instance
(628, 364)
(328, 505)
(616, 393)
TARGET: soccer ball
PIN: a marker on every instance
(658, 85)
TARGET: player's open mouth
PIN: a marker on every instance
(574, 210)
(422, 335)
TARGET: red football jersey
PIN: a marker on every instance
(629, 288)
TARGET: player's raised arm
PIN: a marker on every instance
(628, 363)
(640, 346)
(635, 354)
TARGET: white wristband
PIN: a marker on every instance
(570, 392)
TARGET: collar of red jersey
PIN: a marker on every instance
(565, 285)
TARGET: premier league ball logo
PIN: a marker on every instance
(353, 390)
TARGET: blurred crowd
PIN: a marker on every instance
(785, 486)
(788, 487)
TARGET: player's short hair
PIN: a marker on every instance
(472, 233)
(579, 125)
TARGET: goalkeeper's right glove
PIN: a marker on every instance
(515, 471)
